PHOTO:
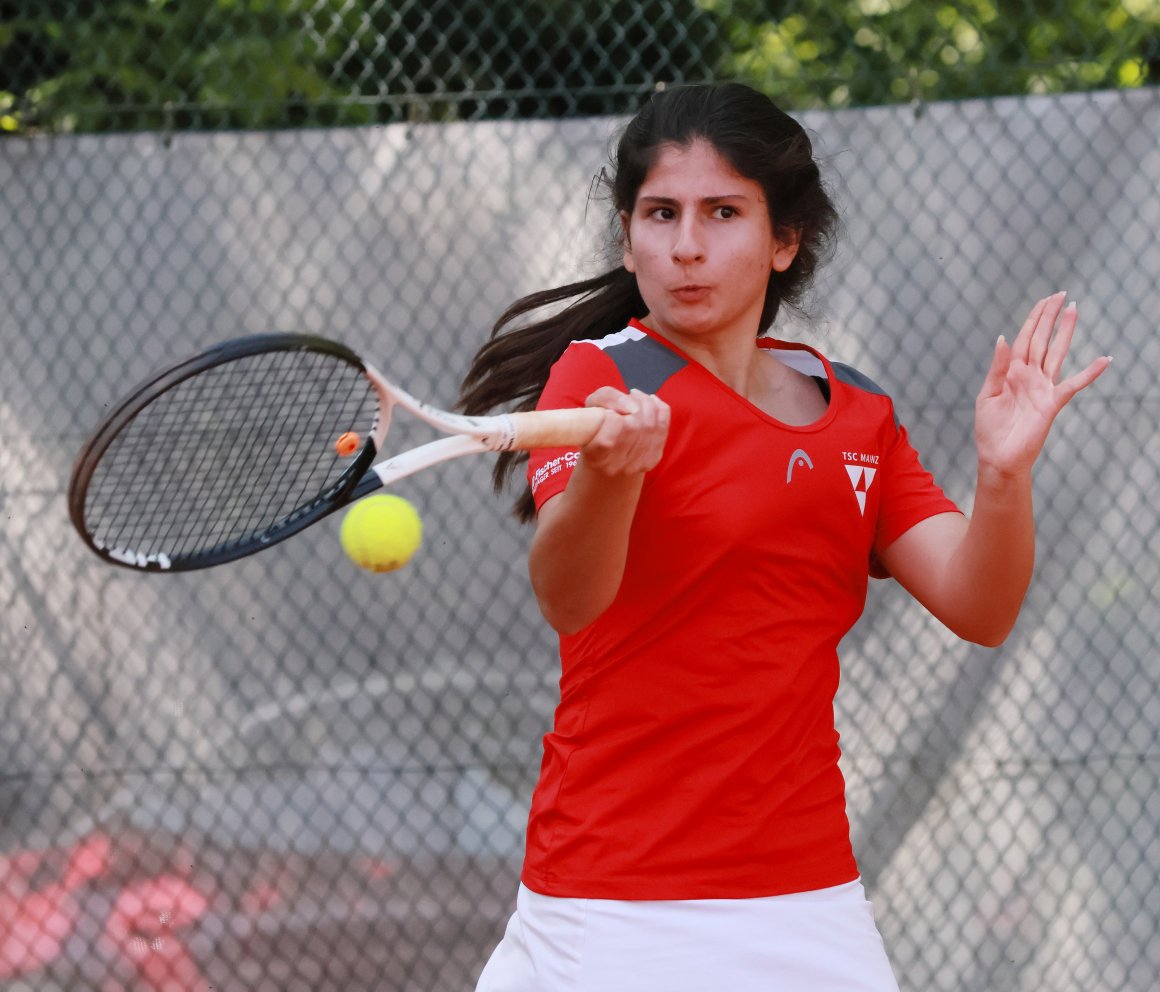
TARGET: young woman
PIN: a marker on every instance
(704, 554)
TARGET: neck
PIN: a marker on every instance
(733, 358)
(753, 373)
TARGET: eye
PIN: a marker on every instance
(662, 213)
(724, 212)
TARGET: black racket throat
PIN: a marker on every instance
(226, 452)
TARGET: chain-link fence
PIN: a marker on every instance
(289, 774)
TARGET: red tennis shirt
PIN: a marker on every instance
(693, 753)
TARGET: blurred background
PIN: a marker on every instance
(288, 774)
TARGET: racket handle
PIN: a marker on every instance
(556, 428)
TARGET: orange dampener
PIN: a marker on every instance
(348, 444)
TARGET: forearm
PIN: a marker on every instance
(578, 553)
(988, 574)
(972, 574)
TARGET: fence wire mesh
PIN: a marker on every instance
(289, 774)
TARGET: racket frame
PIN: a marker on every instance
(467, 435)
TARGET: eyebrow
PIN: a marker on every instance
(719, 198)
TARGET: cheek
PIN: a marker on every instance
(754, 266)
(643, 260)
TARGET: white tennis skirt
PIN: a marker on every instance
(821, 941)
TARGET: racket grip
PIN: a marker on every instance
(574, 427)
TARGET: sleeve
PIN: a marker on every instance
(909, 494)
(582, 369)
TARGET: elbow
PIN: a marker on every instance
(560, 620)
(986, 631)
(566, 626)
(570, 617)
(567, 603)
(984, 620)
(988, 638)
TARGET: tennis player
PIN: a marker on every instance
(704, 554)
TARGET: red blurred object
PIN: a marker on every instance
(141, 926)
(36, 921)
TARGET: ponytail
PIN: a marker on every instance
(511, 369)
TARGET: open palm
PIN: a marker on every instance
(1020, 396)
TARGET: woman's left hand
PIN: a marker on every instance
(1020, 396)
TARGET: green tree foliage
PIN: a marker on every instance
(149, 64)
(858, 52)
(179, 64)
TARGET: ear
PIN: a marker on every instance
(785, 250)
(626, 242)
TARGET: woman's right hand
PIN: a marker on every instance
(631, 442)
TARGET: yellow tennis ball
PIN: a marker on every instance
(380, 533)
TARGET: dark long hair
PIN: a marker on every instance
(759, 141)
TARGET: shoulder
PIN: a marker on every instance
(856, 386)
(860, 383)
(864, 391)
(626, 359)
(811, 361)
(642, 361)
(856, 379)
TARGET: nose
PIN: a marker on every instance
(687, 245)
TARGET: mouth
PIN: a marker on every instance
(690, 294)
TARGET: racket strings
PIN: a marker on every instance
(229, 454)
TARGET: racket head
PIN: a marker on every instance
(225, 453)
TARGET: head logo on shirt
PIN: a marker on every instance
(797, 460)
(861, 469)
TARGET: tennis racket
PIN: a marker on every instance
(234, 449)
